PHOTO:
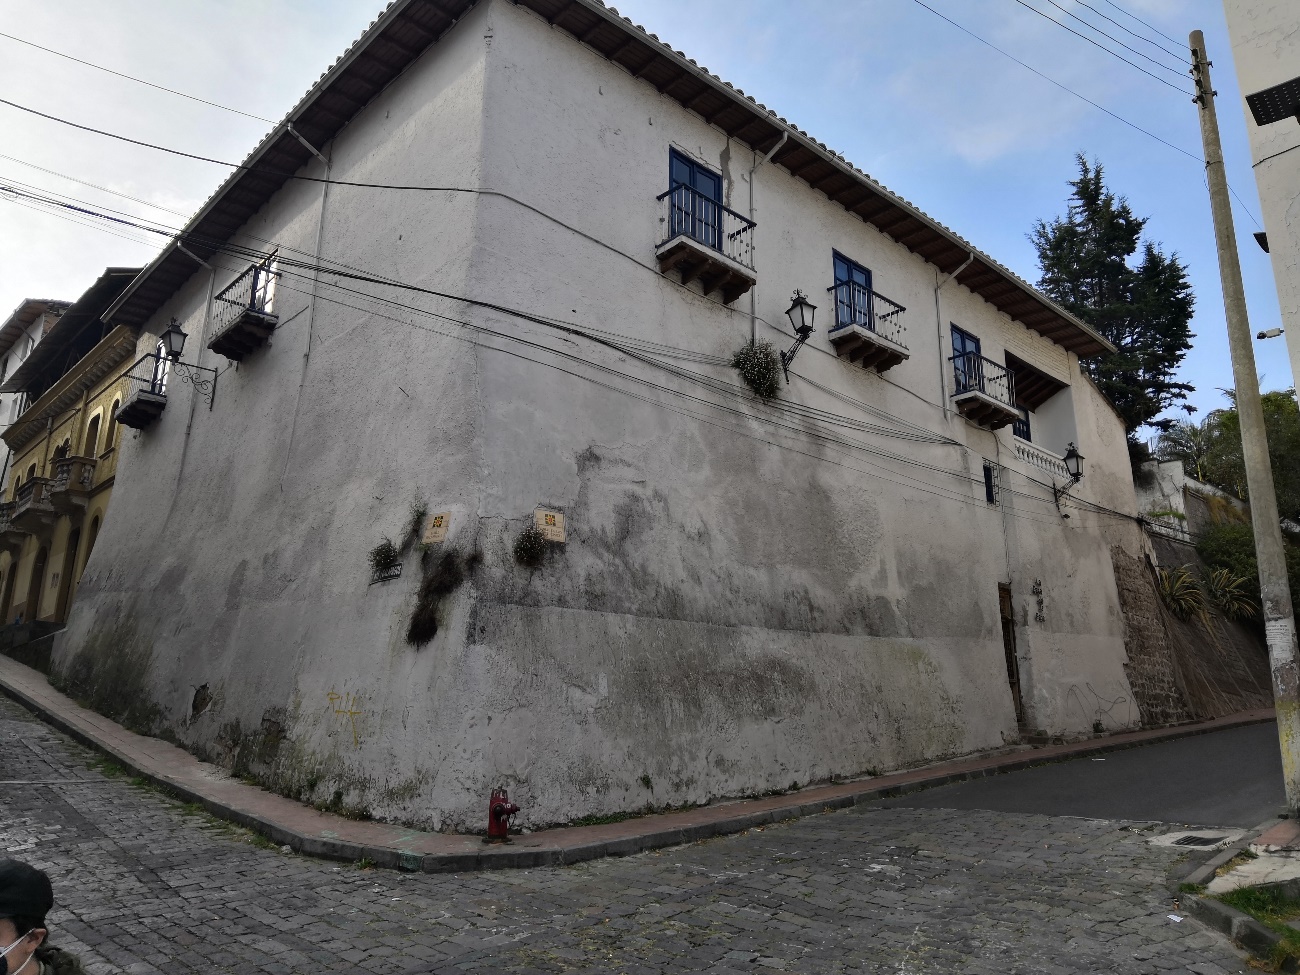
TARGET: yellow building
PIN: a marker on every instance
(64, 454)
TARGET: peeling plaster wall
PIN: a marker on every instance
(739, 604)
(1265, 37)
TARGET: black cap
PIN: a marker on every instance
(24, 891)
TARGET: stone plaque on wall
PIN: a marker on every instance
(435, 529)
(550, 523)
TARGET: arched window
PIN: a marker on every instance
(92, 436)
(31, 471)
(111, 440)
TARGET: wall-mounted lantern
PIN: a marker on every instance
(801, 313)
(173, 341)
(1074, 463)
(1074, 467)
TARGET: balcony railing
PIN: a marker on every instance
(6, 516)
(32, 505)
(146, 391)
(684, 211)
(74, 473)
(972, 373)
(858, 305)
(253, 291)
(1045, 460)
(244, 313)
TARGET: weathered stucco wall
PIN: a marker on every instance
(1266, 52)
(750, 595)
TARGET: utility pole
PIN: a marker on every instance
(1279, 621)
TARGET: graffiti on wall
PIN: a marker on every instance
(347, 707)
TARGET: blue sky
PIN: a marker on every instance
(972, 138)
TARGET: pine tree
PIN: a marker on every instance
(1145, 310)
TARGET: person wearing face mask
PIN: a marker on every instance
(25, 898)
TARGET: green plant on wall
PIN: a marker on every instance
(759, 367)
(530, 547)
(1230, 594)
(1182, 594)
(384, 556)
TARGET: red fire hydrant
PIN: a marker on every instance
(500, 809)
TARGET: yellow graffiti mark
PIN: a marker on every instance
(348, 709)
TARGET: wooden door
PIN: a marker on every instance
(1009, 648)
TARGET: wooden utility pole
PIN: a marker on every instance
(1279, 622)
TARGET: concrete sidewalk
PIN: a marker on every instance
(309, 831)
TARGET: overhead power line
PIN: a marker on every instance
(1084, 98)
(1138, 67)
(141, 81)
(1141, 37)
(93, 186)
(1142, 22)
(1028, 67)
(1115, 40)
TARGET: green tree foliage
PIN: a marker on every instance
(1211, 450)
(1232, 547)
(1144, 309)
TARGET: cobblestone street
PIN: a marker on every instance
(147, 885)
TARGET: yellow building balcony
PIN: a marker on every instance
(73, 479)
(32, 508)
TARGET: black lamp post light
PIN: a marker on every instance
(1074, 467)
(801, 313)
(171, 343)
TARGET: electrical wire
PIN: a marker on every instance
(1110, 37)
(93, 186)
(1101, 108)
(1103, 47)
(170, 91)
(1142, 37)
(1051, 80)
(1142, 22)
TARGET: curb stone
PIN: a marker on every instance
(1243, 929)
(578, 845)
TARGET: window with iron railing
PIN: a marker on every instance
(692, 207)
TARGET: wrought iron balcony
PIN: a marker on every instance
(242, 314)
(146, 392)
(705, 241)
(32, 507)
(73, 479)
(868, 327)
(147, 384)
(983, 391)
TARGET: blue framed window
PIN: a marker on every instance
(852, 292)
(696, 208)
(967, 366)
(1020, 427)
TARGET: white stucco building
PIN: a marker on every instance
(870, 571)
(18, 337)
(1265, 37)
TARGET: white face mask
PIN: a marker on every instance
(4, 958)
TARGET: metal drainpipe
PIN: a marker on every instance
(203, 329)
(753, 292)
(320, 234)
(311, 305)
(938, 330)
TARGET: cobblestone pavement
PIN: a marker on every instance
(148, 885)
